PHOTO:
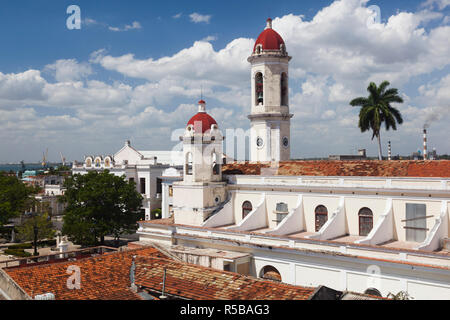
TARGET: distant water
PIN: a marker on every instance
(28, 166)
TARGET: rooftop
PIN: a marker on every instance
(104, 277)
(107, 277)
(368, 168)
(201, 283)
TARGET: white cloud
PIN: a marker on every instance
(25, 86)
(199, 18)
(440, 4)
(335, 56)
(210, 38)
(69, 70)
(177, 16)
(135, 25)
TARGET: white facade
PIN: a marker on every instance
(336, 255)
(202, 190)
(347, 233)
(142, 167)
(270, 117)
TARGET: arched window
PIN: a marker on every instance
(373, 292)
(88, 162)
(284, 89)
(259, 88)
(365, 221)
(98, 162)
(215, 164)
(270, 273)
(188, 164)
(321, 214)
(258, 49)
(107, 162)
(246, 208)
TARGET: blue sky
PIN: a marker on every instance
(133, 71)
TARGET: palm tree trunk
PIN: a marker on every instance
(380, 155)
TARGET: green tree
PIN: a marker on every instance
(14, 197)
(376, 109)
(100, 204)
(36, 224)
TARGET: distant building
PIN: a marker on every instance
(142, 167)
(360, 156)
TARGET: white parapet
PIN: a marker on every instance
(256, 219)
(384, 228)
(222, 218)
(294, 221)
(439, 231)
(335, 226)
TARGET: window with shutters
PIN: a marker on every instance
(246, 208)
(281, 212)
(321, 215)
(415, 222)
(365, 216)
(142, 185)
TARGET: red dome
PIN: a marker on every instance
(269, 39)
(205, 119)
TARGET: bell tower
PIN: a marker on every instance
(270, 118)
(202, 190)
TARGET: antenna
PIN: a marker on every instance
(201, 92)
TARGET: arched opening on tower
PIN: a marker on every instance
(215, 163)
(259, 88)
(188, 164)
(284, 89)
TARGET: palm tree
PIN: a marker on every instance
(376, 109)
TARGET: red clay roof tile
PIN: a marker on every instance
(370, 168)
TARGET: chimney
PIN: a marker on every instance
(163, 296)
(425, 154)
(133, 286)
(389, 150)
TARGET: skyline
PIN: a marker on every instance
(136, 72)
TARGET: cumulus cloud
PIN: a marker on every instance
(135, 25)
(335, 56)
(69, 70)
(199, 18)
(25, 86)
(439, 4)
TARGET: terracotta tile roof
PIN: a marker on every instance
(104, 277)
(373, 168)
(107, 277)
(201, 283)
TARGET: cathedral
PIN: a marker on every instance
(376, 227)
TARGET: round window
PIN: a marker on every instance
(285, 142)
(259, 142)
(217, 200)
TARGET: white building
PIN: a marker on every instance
(348, 225)
(143, 167)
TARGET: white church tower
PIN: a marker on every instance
(202, 190)
(270, 117)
